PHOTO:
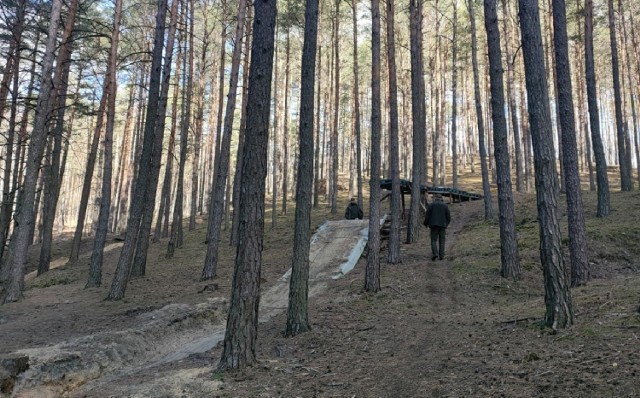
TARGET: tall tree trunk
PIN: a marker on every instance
(237, 191)
(559, 313)
(239, 347)
(285, 127)
(634, 115)
(356, 105)
(486, 188)
(418, 119)
(138, 267)
(57, 103)
(297, 314)
(394, 158)
(336, 112)
(626, 183)
(276, 149)
(197, 139)
(604, 205)
(512, 101)
(216, 207)
(124, 266)
(372, 270)
(317, 168)
(13, 268)
(509, 245)
(454, 99)
(95, 268)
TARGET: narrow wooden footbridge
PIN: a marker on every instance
(456, 195)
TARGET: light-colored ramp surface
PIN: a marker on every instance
(335, 249)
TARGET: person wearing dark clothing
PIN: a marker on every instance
(437, 219)
(353, 211)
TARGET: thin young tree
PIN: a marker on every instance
(509, 257)
(95, 268)
(13, 268)
(297, 313)
(394, 152)
(559, 313)
(484, 168)
(626, 182)
(602, 180)
(418, 119)
(239, 346)
(580, 272)
(216, 206)
(372, 271)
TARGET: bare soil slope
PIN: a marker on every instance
(448, 328)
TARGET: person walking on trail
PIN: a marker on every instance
(437, 219)
(353, 211)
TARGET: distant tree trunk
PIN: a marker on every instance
(197, 139)
(138, 267)
(486, 188)
(276, 149)
(356, 105)
(372, 271)
(285, 127)
(123, 163)
(559, 313)
(57, 104)
(604, 204)
(239, 347)
(418, 119)
(580, 272)
(176, 237)
(626, 183)
(95, 269)
(237, 191)
(394, 158)
(316, 167)
(123, 269)
(454, 99)
(513, 111)
(165, 193)
(13, 268)
(219, 114)
(216, 207)
(297, 314)
(336, 112)
(509, 246)
(634, 114)
(8, 190)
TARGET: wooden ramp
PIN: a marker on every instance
(457, 195)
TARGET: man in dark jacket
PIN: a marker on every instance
(437, 219)
(353, 211)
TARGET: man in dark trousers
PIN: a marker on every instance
(437, 219)
(353, 211)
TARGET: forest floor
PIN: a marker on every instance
(451, 328)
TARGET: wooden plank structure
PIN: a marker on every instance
(456, 195)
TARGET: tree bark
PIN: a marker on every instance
(559, 313)
(95, 268)
(336, 111)
(123, 269)
(580, 272)
(486, 188)
(626, 182)
(509, 245)
(394, 157)
(604, 205)
(239, 347)
(13, 268)
(418, 119)
(216, 207)
(297, 314)
(372, 270)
